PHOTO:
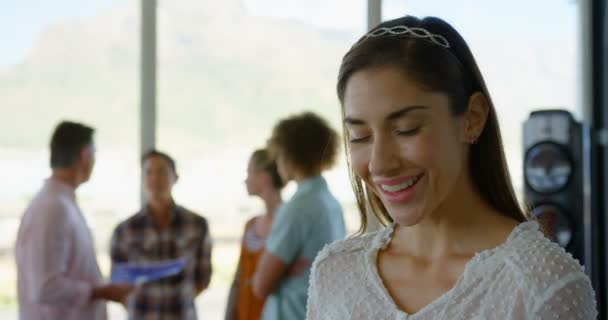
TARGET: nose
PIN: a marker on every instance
(384, 160)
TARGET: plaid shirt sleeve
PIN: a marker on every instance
(118, 251)
(202, 273)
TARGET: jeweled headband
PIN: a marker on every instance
(405, 31)
(420, 33)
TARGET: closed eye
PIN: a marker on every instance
(408, 132)
(359, 140)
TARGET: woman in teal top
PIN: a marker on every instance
(304, 146)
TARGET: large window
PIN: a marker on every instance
(75, 61)
(526, 50)
(227, 72)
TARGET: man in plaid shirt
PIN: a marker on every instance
(164, 231)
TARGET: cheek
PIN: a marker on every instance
(440, 154)
(155, 179)
(148, 182)
(421, 152)
(417, 152)
(359, 160)
(153, 182)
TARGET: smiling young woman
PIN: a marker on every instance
(426, 157)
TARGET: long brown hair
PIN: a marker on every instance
(448, 69)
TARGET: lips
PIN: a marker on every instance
(399, 190)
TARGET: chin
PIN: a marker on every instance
(407, 221)
(405, 217)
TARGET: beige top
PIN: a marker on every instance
(526, 277)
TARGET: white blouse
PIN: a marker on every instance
(526, 277)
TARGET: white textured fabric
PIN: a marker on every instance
(526, 277)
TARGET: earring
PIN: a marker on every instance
(472, 139)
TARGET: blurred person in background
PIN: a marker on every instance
(57, 273)
(263, 181)
(162, 231)
(303, 146)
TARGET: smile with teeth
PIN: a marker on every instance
(400, 187)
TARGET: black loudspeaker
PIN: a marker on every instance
(558, 167)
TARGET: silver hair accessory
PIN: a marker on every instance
(409, 32)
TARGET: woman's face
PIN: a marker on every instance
(253, 180)
(403, 142)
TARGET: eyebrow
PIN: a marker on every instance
(391, 116)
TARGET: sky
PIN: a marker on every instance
(22, 22)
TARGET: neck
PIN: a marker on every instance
(68, 176)
(272, 200)
(160, 209)
(299, 177)
(462, 225)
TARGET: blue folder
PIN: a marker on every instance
(137, 273)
